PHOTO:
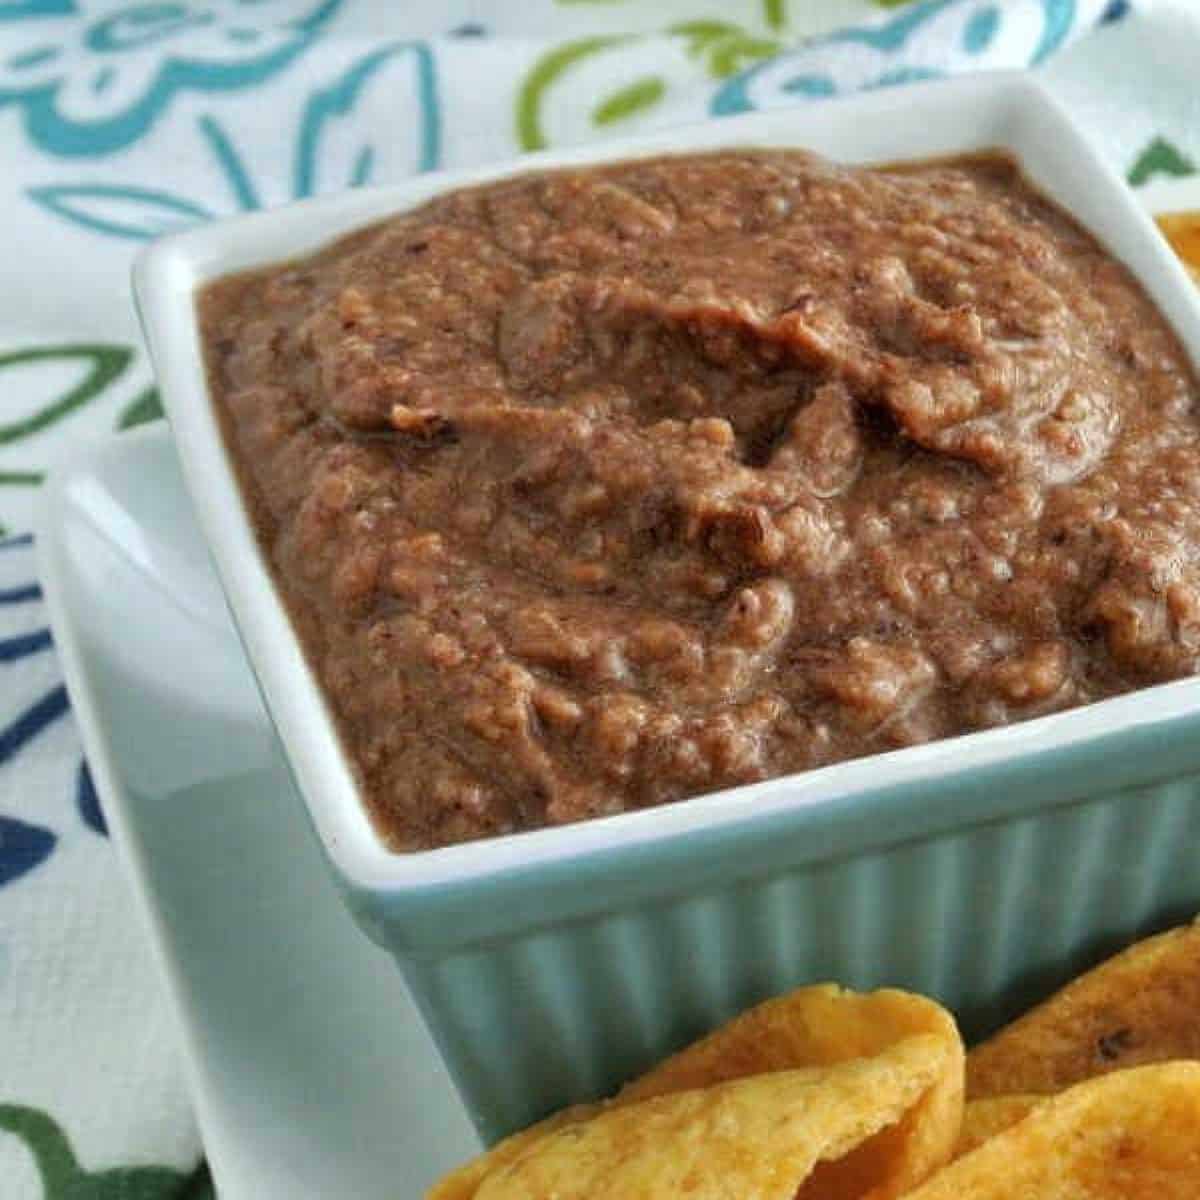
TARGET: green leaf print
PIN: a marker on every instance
(545, 72)
(733, 55)
(1160, 157)
(105, 364)
(774, 11)
(64, 1179)
(645, 93)
(143, 408)
(199, 1187)
(723, 47)
(726, 48)
(702, 33)
(93, 367)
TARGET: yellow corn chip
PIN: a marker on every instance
(757, 1138)
(812, 1026)
(985, 1118)
(1142, 1006)
(1182, 230)
(463, 1183)
(1130, 1135)
(809, 1027)
(819, 1026)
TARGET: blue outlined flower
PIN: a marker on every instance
(31, 704)
(22, 847)
(924, 40)
(90, 83)
(346, 134)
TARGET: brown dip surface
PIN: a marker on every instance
(596, 489)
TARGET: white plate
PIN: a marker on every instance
(311, 1071)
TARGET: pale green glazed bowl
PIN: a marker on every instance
(552, 965)
(985, 889)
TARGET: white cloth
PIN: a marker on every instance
(119, 121)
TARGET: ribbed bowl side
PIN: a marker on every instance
(988, 920)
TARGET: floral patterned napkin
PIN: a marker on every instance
(120, 121)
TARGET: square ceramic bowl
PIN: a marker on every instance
(551, 965)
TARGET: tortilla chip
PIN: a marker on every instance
(1130, 1135)
(983, 1119)
(810, 1027)
(757, 1138)
(463, 1183)
(820, 1026)
(1182, 230)
(1143, 1006)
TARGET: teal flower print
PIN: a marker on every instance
(64, 1179)
(379, 118)
(912, 45)
(96, 79)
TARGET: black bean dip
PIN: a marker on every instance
(591, 490)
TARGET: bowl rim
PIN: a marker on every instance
(1005, 110)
